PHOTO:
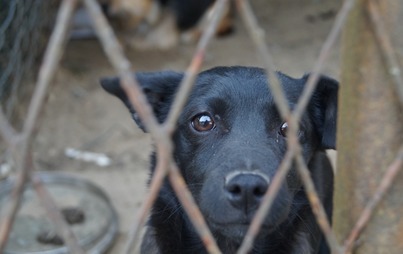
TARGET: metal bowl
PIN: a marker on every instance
(95, 232)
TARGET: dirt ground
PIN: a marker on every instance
(80, 115)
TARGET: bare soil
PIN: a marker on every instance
(79, 114)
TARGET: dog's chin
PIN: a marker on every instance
(236, 231)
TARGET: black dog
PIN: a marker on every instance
(229, 143)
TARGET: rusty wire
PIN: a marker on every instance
(267, 202)
(387, 49)
(324, 52)
(169, 124)
(194, 67)
(160, 135)
(54, 214)
(161, 132)
(11, 209)
(115, 54)
(386, 182)
(258, 37)
(317, 206)
(46, 73)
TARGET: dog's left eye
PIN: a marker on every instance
(284, 130)
(203, 122)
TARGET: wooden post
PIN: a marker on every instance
(370, 130)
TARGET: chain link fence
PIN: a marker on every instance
(20, 143)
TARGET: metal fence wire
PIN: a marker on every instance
(24, 29)
(20, 143)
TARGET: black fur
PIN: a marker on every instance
(229, 167)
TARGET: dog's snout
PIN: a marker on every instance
(245, 190)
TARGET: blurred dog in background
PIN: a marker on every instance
(157, 24)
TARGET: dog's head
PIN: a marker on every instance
(230, 139)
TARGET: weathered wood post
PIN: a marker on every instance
(370, 130)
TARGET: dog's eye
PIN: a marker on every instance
(203, 122)
(283, 129)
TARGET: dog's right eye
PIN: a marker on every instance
(203, 122)
(283, 129)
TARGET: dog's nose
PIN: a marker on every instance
(245, 190)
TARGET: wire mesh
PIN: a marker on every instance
(24, 29)
(161, 133)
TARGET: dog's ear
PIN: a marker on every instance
(159, 87)
(324, 106)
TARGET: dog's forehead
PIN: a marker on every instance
(232, 84)
(246, 85)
